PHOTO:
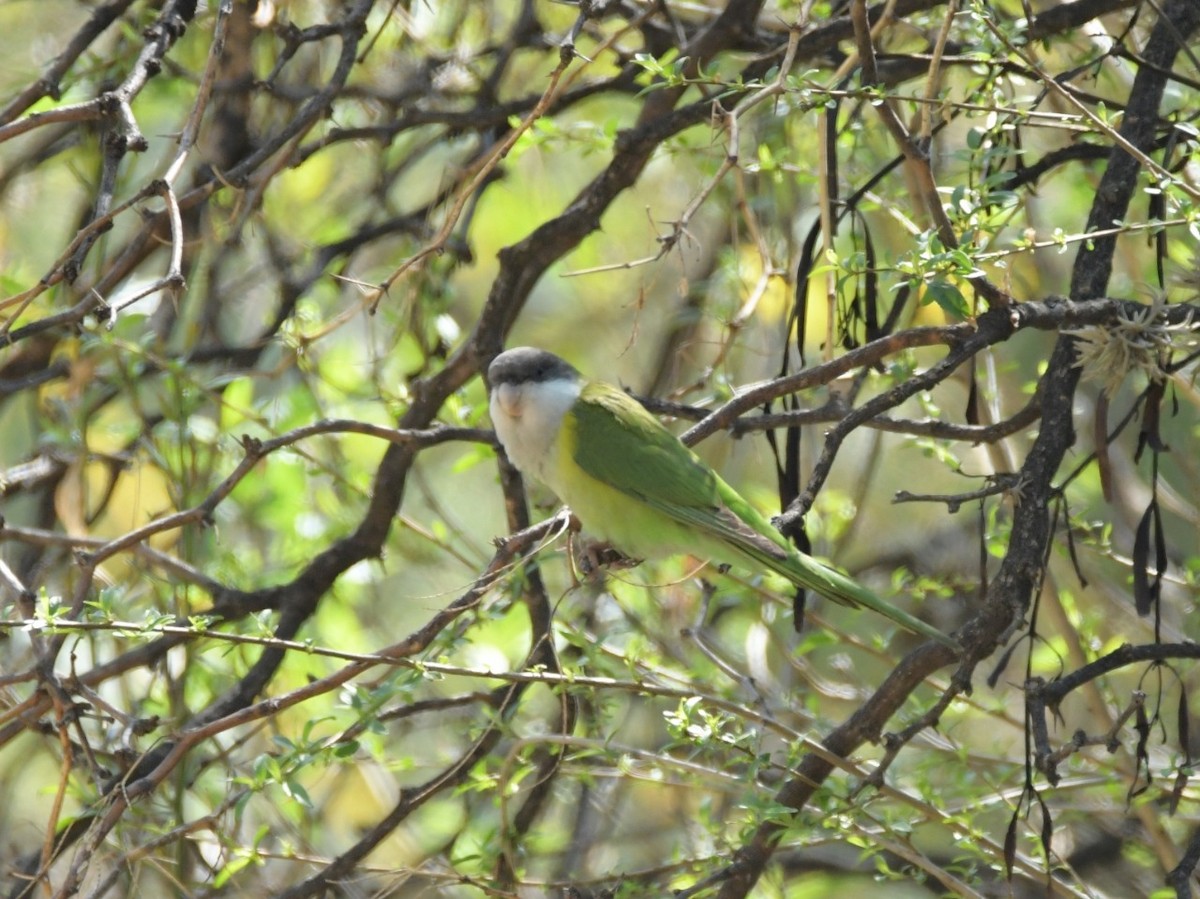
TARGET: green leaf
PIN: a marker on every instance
(947, 296)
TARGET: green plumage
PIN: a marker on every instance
(632, 483)
(620, 451)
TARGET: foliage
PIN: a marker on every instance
(257, 637)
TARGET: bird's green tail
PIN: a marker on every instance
(834, 585)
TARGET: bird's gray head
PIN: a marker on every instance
(529, 365)
(531, 392)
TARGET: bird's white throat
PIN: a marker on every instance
(528, 417)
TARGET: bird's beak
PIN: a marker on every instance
(508, 397)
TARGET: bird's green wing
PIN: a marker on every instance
(621, 444)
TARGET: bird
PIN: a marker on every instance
(636, 486)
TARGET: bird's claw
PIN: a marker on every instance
(597, 556)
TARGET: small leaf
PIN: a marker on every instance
(231, 869)
(798, 315)
(871, 287)
(1010, 844)
(947, 296)
(1047, 829)
(1160, 549)
(1100, 441)
(293, 790)
(1181, 780)
(345, 750)
(1143, 592)
(972, 413)
(1150, 434)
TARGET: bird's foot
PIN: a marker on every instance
(598, 556)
